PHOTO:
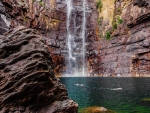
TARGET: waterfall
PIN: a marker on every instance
(83, 36)
(76, 59)
(69, 35)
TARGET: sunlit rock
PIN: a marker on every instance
(95, 109)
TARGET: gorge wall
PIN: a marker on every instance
(127, 50)
(117, 34)
(49, 17)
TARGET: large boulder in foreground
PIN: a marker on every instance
(27, 81)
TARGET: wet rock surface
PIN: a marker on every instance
(28, 84)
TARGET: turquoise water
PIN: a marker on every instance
(122, 95)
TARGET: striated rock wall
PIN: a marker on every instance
(49, 18)
(125, 53)
(4, 23)
(44, 16)
(35, 14)
(59, 39)
(28, 84)
(128, 52)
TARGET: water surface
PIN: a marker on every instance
(122, 95)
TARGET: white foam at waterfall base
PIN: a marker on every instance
(76, 74)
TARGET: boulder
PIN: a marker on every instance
(95, 109)
(145, 102)
(27, 81)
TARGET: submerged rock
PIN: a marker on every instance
(27, 81)
(145, 102)
(95, 109)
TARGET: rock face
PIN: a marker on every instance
(58, 38)
(4, 23)
(127, 21)
(44, 16)
(27, 79)
(128, 53)
(49, 18)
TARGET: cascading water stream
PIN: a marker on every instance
(69, 36)
(83, 37)
(76, 60)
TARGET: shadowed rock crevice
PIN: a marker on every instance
(27, 81)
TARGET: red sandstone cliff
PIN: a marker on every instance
(127, 54)
(49, 18)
